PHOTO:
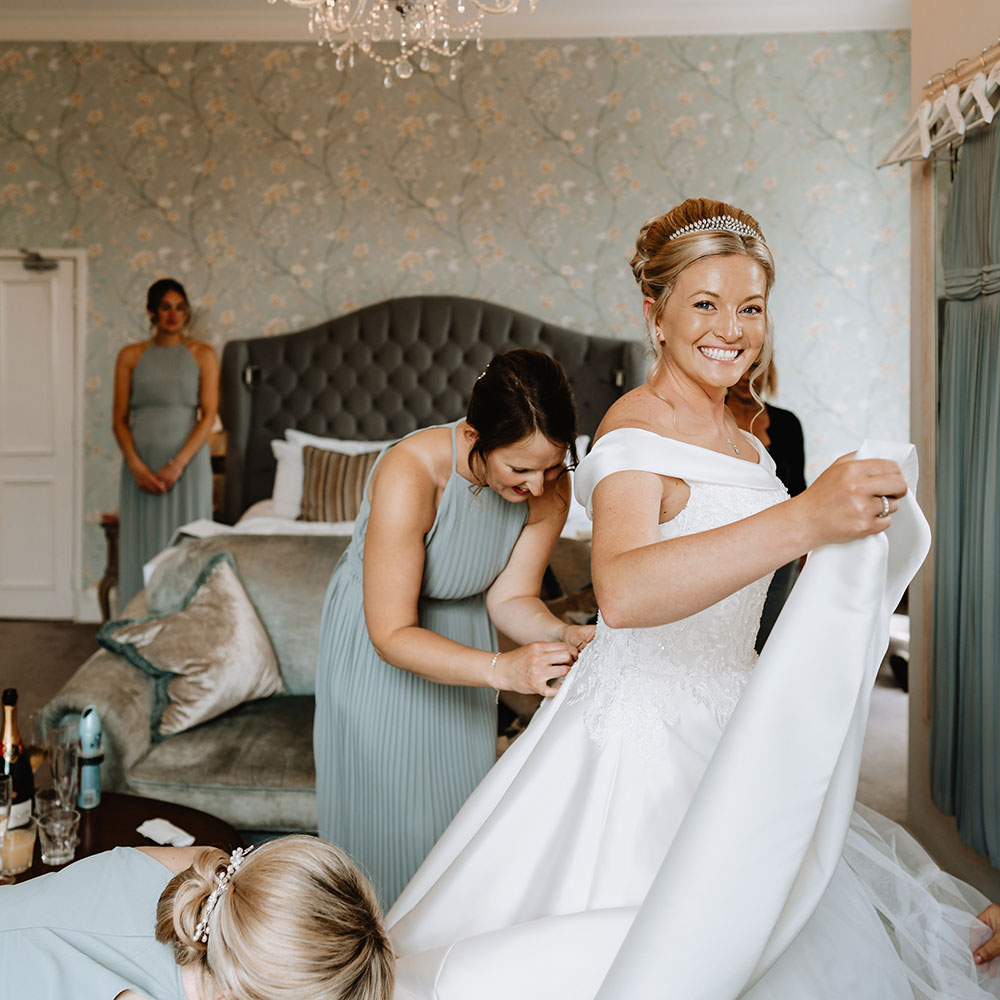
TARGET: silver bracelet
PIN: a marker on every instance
(493, 675)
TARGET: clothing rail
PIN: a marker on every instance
(956, 101)
(963, 71)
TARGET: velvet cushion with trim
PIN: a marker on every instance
(333, 484)
(207, 657)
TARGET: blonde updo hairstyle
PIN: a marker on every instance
(297, 921)
(659, 260)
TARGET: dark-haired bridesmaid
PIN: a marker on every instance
(165, 402)
(456, 528)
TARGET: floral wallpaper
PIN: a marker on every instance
(281, 192)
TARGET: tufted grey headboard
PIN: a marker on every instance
(388, 369)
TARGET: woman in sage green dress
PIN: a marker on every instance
(165, 402)
(291, 920)
(453, 537)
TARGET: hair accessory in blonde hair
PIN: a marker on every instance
(726, 222)
(224, 878)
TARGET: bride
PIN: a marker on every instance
(677, 822)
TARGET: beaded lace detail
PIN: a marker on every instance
(636, 680)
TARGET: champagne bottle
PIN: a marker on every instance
(16, 763)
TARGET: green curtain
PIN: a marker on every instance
(965, 710)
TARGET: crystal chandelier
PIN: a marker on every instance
(421, 28)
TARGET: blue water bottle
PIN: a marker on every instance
(90, 759)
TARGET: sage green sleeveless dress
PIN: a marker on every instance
(163, 410)
(397, 755)
(86, 932)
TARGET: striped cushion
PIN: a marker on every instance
(333, 484)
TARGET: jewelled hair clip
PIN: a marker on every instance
(726, 222)
(224, 878)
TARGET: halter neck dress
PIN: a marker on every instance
(397, 755)
(163, 410)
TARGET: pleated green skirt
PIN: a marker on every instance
(396, 755)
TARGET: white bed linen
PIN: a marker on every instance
(262, 519)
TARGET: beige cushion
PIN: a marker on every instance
(333, 484)
(285, 577)
(208, 657)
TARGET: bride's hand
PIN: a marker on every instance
(846, 503)
(528, 669)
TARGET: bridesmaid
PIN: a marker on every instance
(454, 534)
(290, 920)
(165, 402)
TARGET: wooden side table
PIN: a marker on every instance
(113, 824)
(109, 524)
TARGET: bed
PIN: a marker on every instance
(376, 374)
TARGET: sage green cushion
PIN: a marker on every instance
(207, 657)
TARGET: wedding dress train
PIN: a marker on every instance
(677, 822)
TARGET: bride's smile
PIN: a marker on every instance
(712, 326)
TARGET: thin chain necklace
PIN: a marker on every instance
(674, 408)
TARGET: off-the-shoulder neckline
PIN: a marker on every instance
(752, 439)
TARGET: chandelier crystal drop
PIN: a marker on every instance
(421, 28)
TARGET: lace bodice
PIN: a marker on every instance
(631, 678)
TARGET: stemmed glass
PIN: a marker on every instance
(63, 766)
(6, 794)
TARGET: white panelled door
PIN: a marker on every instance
(38, 465)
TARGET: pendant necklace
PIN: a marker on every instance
(671, 405)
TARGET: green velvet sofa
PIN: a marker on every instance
(252, 766)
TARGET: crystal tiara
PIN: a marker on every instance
(726, 222)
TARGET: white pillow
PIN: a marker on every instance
(334, 444)
(288, 477)
(287, 492)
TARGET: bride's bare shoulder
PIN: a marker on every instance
(636, 409)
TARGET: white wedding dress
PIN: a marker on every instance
(677, 822)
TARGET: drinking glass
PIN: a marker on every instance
(46, 799)
(57, 830)
(19, 848)
(6, 794)
(63, 765)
